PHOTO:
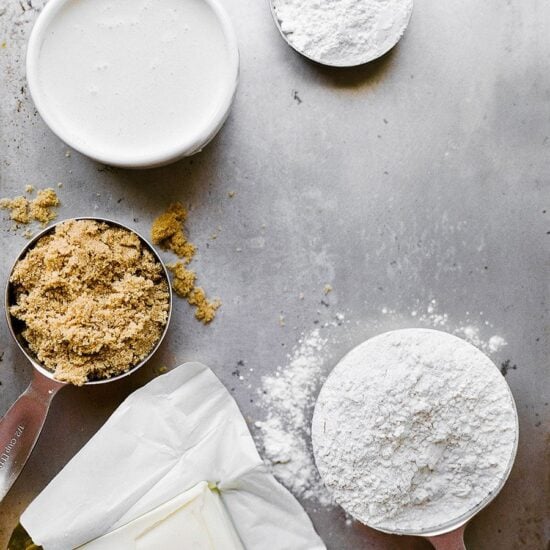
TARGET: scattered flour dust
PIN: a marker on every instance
(343, 32)
(471, 330)
(288, 396)
(413, 429)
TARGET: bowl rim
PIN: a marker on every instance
(150, 159)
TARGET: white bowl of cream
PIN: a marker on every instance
(133, 83)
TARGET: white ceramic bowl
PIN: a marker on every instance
(150, 152)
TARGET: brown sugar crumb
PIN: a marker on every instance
(18, 207)
(168, 231)
(183, 284)
(93, 298)
(205, 311)
(40, 207)
(23, 210)
(182, 247)
(184, 279)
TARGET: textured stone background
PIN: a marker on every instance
(421, 176)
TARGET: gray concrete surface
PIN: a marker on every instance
(422, 176)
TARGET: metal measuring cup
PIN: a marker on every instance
(450, 535)
(20, 427)
(341, 63)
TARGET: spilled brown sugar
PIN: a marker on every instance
(93, 298)
(40, 209)
(184, 286)
(205, 310)
(22, 210)
(184, 279)
(168, 232)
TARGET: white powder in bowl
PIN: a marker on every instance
(413, 429)
(342, 32)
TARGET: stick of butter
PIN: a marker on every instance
(195, 519)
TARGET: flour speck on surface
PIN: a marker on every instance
(495, 343)
(343, 32)
(413, 429)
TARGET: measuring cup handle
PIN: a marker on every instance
(21, 426)
(454, 540)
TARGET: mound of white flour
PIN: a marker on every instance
(413, 429)
(343, 32)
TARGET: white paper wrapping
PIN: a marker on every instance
(181, 428)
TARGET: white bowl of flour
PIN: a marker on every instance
(133, 83)
(342, 33)
(415, 431)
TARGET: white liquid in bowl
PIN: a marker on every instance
(132, 82)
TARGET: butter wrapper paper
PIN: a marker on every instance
(181, 428)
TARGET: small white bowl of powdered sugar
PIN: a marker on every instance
(414, 432)
(342, 33)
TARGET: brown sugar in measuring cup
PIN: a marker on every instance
(21, 425)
